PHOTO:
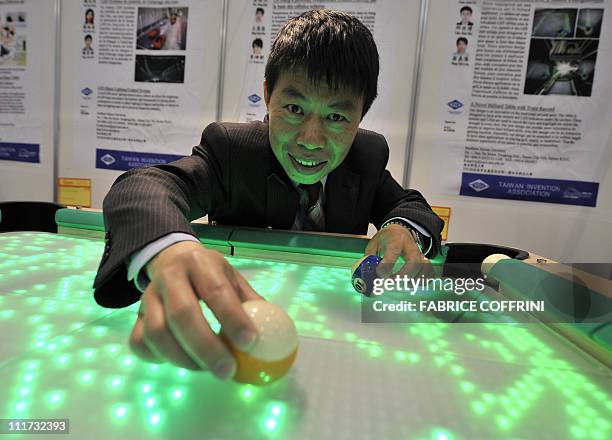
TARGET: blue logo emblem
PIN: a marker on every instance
(86, 91)
(455, 104)
(254, 98)
(478, 185)
(107, 160)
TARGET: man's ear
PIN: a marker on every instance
(266, 94)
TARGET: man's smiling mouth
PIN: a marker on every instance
(308, 163)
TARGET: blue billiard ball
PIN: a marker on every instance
(364, 273)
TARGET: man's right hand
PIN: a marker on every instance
(170, 324)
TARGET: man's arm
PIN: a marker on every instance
(147, 203)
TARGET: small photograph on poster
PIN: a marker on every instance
(256, 50)
(461, 56)
(87, 52)
(162, 29)
(589, 23)
(561, 67)
(160, 68)
(259, 26)
(13, 39)
(554, 23)
(465, 23)
(89, 24)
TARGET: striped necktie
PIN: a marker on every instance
(310, 206)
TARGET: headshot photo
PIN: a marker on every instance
(88, 51)
(259, 14)
(462, 44)
(465, 14)
(257, 46)
(88, 26)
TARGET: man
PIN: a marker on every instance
(88, 51)
(257, 47)
(461, 53)
(309, 167)
(466, 16)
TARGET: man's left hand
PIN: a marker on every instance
(392, 241)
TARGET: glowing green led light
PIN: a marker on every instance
(146, 388)
(87, 377)
(271, 424)
(467, 387)
(56, 397)
(127, 361)
(120, 411)
(177, 394)
(181, 372)
(478, 408)
(247, 393)
(503, 422)
(7, 314)
(24, 391)
(154, 419)
(150, 402)
(116, 382)
(276, 410)
(20, 406)
(457, 370)
(577, 432)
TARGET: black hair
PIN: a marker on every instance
(9, 19)
(88, 37)
(259, 10)
(331, 46)
(462, 39)
(465, 8)
(257, 42)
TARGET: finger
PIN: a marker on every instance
(245, 290)
(216, 288)
(414, 260)
(192, 331)
(373, 247)
(157, 336)
(392, 252)
(137, 343)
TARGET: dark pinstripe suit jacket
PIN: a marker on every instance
(234, 177)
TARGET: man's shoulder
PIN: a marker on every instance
(369, 145)
(236, 133)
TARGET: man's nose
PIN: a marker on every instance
(311, 135)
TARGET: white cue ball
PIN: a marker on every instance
(490, 261)
(278, 337)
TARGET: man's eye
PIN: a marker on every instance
(336, 117)
(295, 109)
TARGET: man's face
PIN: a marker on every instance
(466, 16)
(87, 43)
(311, 127)
(461, 46)
(173, 19)
(256, 50)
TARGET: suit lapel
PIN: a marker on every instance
(341, 191)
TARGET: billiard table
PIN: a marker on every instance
(64, 357)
